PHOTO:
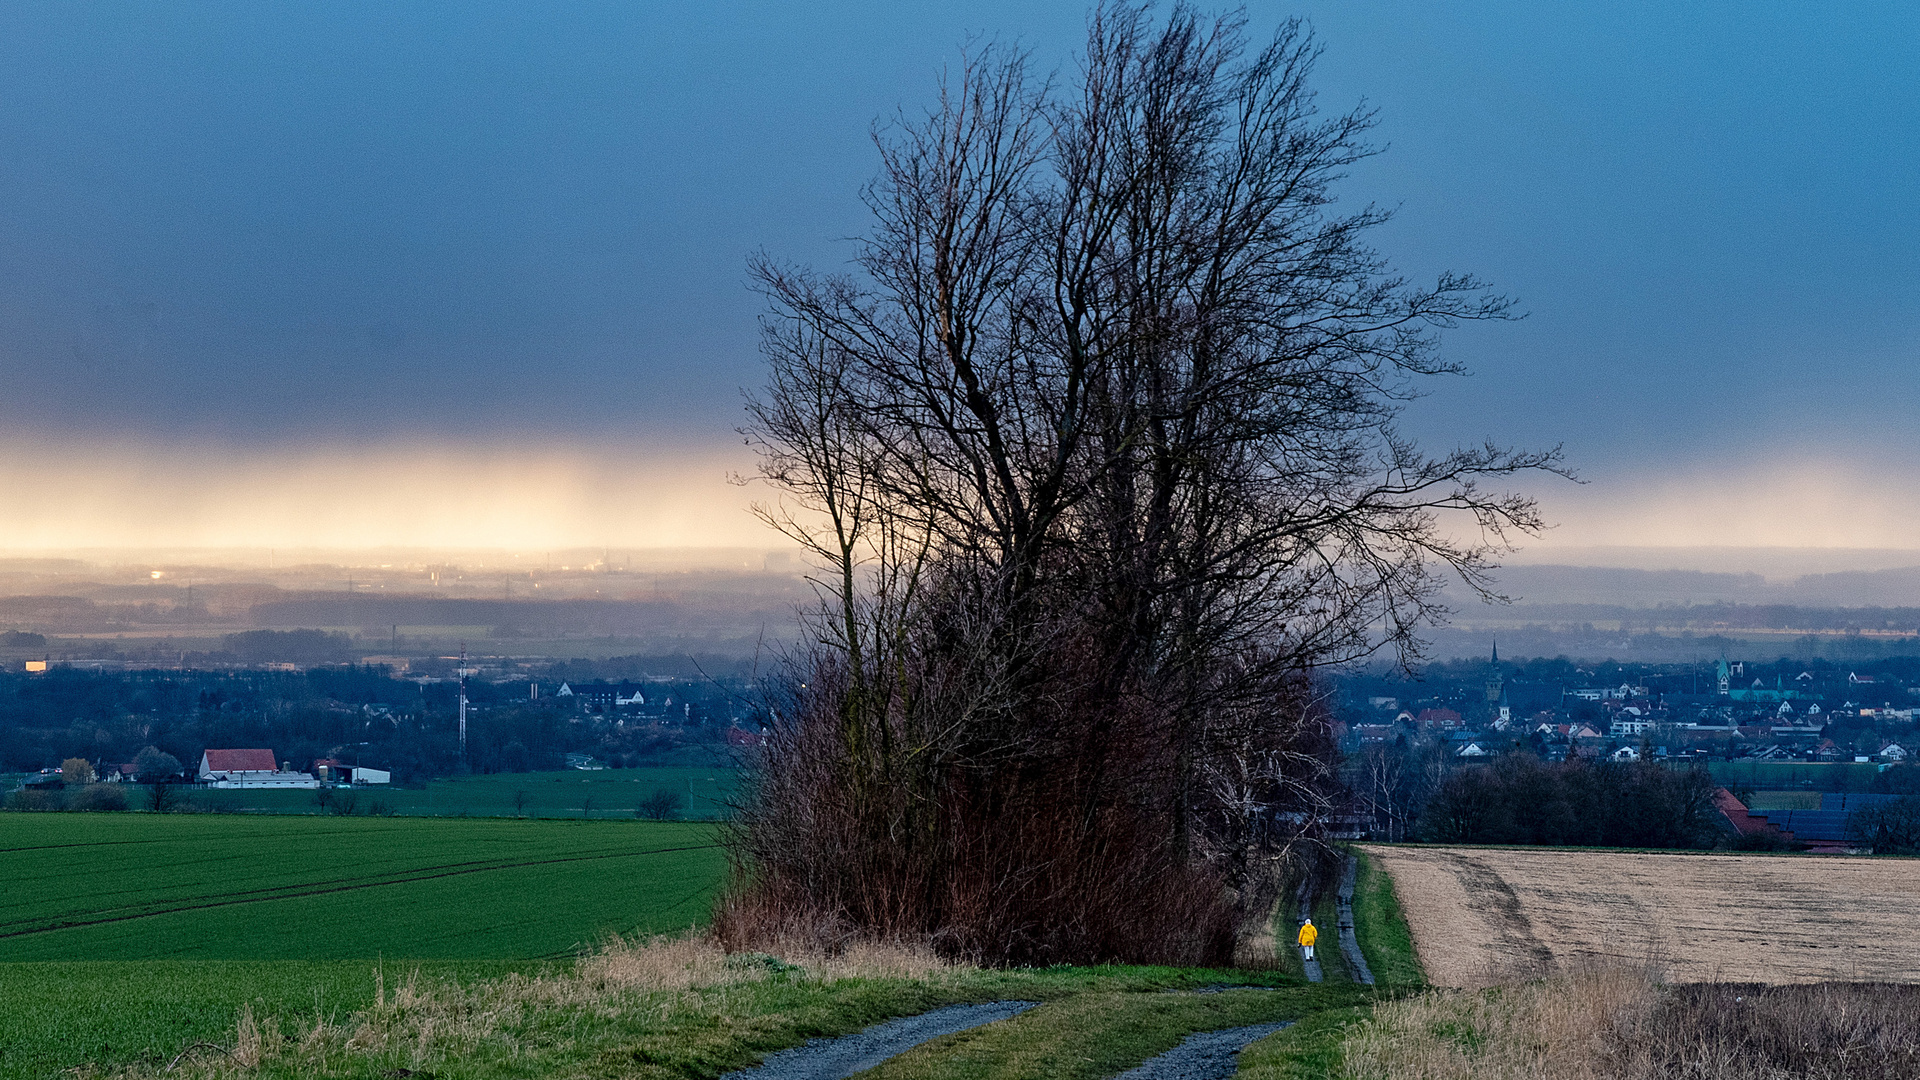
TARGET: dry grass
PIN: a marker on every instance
(1618, 1023)
(665, 985)
(1564, 1028)
(1486, 916)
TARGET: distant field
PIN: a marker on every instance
(1484, 915)
(570, 793)
(1785, 775)
(1784, 800)
(229, 887)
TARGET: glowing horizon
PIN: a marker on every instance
(446, 497)
(421, 496)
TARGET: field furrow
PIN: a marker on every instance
(1481, 916)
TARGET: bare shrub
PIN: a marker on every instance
(662, 804)
(104, 797)
(37, 799)
(1094, 456)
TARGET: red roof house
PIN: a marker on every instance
(219, 762)
(1736, 820)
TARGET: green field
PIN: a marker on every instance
(572, 793)
(1784, 800)
(231, 887)
(1792, 775)
(135, 937)
(55, 1016)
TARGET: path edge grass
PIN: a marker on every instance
(1381, 927)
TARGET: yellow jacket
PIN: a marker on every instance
(1308, 934)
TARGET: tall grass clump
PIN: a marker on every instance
(1620, 1023)
(663, 1007)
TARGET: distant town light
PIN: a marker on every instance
(155, 575)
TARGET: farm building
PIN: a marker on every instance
(1739, 822)
(249, 769)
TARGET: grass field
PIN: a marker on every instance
(1482, 916)
(1784, 800)
(572, 793)
(220, 887)
(303, 946)
(55, 1016)
(1792, 775)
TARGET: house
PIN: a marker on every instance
(1472, 750)
(1893, 751)
(1859, 680)
(236, 764)
(1445, 719)
(1630, 721)
(1625, 753)
(249, 769)
(1733, 818)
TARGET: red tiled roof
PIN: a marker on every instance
(241, 761)
(1736, 814)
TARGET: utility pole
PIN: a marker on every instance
(463, 701)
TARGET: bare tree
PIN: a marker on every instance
(1096, 454)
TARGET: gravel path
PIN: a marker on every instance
(834, 1059)
(1349, 944)
(1210, 1055)
(1303, 900)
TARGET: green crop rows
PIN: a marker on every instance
(55, 1016)
(225, 887)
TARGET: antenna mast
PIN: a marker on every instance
(463, 701)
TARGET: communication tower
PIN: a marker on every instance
(463, 671)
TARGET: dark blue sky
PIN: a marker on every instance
(293, 224)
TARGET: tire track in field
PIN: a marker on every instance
(270, 892)
(461, 869)
(1496, 900)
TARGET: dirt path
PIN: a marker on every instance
(836, 1059)
(1482, 916)
(1349, 943)
(1303, 901)
(1209, 1055)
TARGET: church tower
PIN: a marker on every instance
(1497, 708)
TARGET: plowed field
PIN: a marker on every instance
(1482, 916)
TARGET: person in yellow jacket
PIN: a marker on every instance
(1308, 935)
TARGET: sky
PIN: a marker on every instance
(474, 273)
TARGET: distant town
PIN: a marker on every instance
(1780, 710)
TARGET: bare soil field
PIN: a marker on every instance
(1482, 916)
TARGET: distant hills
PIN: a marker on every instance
(1550, 585)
